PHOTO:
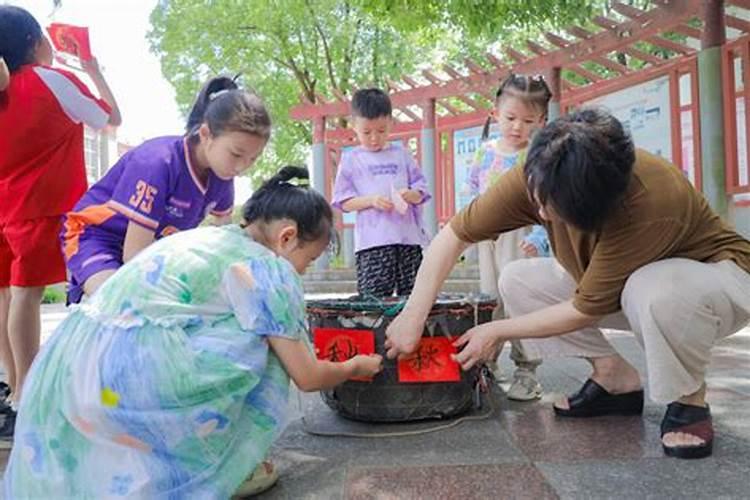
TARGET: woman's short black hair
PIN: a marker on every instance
(20, 34)
(580, 165)
(287, 195)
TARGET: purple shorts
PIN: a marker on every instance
(92, 252)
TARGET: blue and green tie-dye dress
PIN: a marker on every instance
(163, 384)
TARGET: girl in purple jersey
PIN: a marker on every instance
(165, 185)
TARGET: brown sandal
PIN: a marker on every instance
(692, 420)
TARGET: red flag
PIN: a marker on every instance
(431, 362)
(340, 344)
(71, 39)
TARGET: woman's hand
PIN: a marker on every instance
(403, 334)
(480, 345)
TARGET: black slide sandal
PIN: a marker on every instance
(593, 400)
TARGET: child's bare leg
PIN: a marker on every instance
(6, 354)
(24, 328)
(96, 280)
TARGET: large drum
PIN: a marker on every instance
(426, 385)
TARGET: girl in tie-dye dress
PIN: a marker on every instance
(172, 381)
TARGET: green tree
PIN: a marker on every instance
(284, 50)
(483, 18)
(292, 49)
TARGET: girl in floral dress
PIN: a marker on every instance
(172, 381)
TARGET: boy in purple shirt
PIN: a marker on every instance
(382, 183)
(165, 185)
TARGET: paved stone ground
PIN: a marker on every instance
(521, 450)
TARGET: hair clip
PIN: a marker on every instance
(299, 182)
(214, 95)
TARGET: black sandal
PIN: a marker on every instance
(692, 420)
(593, 400)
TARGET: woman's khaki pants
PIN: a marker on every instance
(677, 309)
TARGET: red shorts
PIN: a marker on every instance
(30, 253)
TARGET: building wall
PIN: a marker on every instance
(101, 150)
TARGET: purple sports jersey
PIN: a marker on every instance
(366, 173)
(153, 185)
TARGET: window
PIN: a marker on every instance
(91, 153)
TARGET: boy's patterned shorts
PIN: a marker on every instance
(383, 270)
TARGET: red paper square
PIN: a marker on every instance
(71, 39)
(340, 344)
(432, 362)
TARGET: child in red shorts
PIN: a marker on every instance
(42, 175)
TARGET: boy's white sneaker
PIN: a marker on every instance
(525, 386)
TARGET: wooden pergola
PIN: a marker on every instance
(579, 64)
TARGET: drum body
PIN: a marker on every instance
(385, 398)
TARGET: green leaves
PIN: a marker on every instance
(284, 50)
(291, 48)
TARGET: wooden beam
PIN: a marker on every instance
(515, 55)
(410, 81)
(556, 40)
(319, 98)
(610, 64)
(672, 13)
(643, 56)
(452, 110)
(410, 114)
(432, 78)
(471, 102)
(490, 96)
(580, 32)
(586, 93)
(339, 95)
(665, 43)
(627, 10)
(634, 13)
(737, 23)
(566, 84)
(452, 72)
(474, 67)
(600, 60)
(494, 60)
(536, 48)
(392, 85)
(605, 22)
(580, 70)
(686, 30)
(744, 4)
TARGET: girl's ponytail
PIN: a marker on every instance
(287, 195)
(210, 91)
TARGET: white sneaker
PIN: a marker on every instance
(525, 386)
(263, 477)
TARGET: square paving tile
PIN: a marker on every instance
(447, 482)
(665, 478)
(543, 437)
